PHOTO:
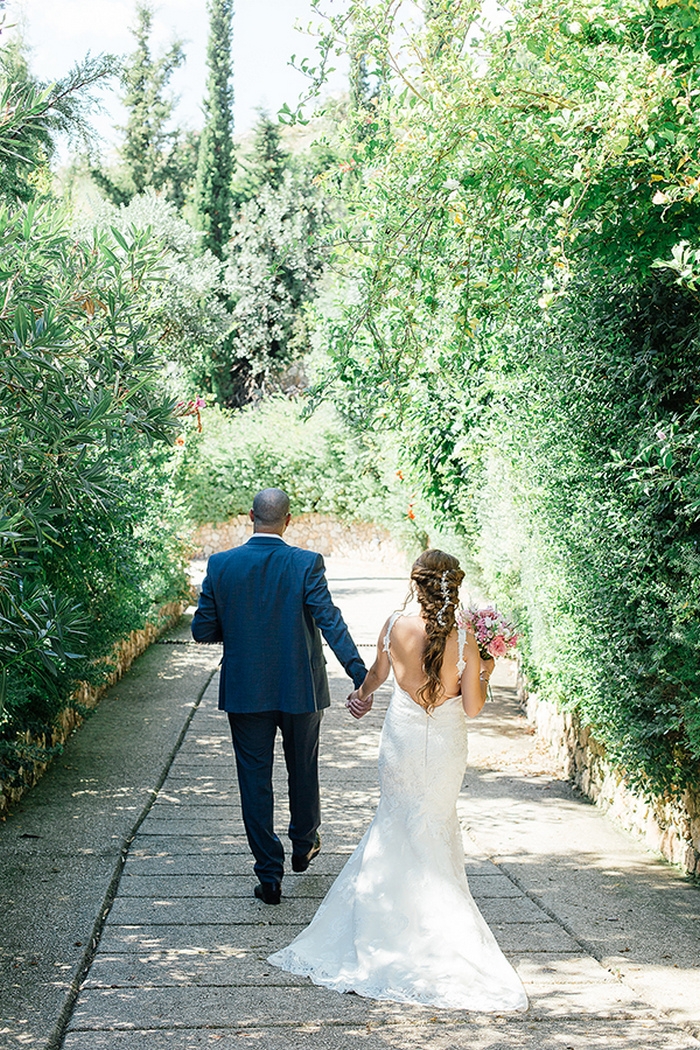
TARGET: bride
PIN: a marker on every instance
(399, 923)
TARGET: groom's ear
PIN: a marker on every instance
(251, 516)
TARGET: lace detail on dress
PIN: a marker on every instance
(461, 642)
(399, 923)
(387, 637)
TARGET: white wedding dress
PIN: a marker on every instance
(399, 922)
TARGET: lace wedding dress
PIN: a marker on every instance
(399, 923)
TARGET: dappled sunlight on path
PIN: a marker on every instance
(182, 961)
(603, 935)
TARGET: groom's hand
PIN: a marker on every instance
(357, 707)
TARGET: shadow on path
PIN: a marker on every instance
(145, 817)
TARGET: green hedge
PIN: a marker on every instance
(516, 205)
(596, 460)
(324, 467)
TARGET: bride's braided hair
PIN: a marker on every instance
(436, 578)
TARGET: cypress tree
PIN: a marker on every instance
(215, 162)
(145, 80)
(152, 155)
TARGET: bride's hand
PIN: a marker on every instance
(356, 706)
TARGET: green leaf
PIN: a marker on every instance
(119, 238)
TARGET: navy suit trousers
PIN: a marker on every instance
(253, 735)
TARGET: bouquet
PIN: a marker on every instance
(494, 635)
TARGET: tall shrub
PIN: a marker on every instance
(153, 154)
(33, 113)
(85, 552)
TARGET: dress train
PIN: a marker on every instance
(399, 922)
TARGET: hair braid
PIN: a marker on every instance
(436, 577)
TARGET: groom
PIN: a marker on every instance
(266, 601)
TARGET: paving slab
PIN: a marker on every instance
(158, 1007)
(260, 936)
(236, 968)
(316, 882)
(168, 909)
(246, 1007)
(335, 828)
(534, 937)
(588, 1034)
(224, 841)
(216, 887)
(239, 965)
(557, 968)
(231, 865)
(223, 910)
(517, 938)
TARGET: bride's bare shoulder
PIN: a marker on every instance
(409, 623)
(407, 628)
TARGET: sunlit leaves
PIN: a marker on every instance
(31, 113)
(80, 395)
(517, 195)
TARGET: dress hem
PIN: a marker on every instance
(294, 965)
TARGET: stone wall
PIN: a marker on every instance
(87, 696)
(668, 825)
(326, 535)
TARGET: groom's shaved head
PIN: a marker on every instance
(270, 506)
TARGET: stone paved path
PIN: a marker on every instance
(182, 959)
(604, 935)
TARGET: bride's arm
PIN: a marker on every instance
(360, 701)
(475, 678)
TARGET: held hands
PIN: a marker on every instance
(358, 707)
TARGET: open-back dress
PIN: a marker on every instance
(399, 923)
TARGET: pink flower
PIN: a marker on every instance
(498, 647)
(494, 635)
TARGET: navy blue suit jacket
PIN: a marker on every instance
(266, 601)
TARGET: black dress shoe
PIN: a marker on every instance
(301, 863)
(268, 892)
